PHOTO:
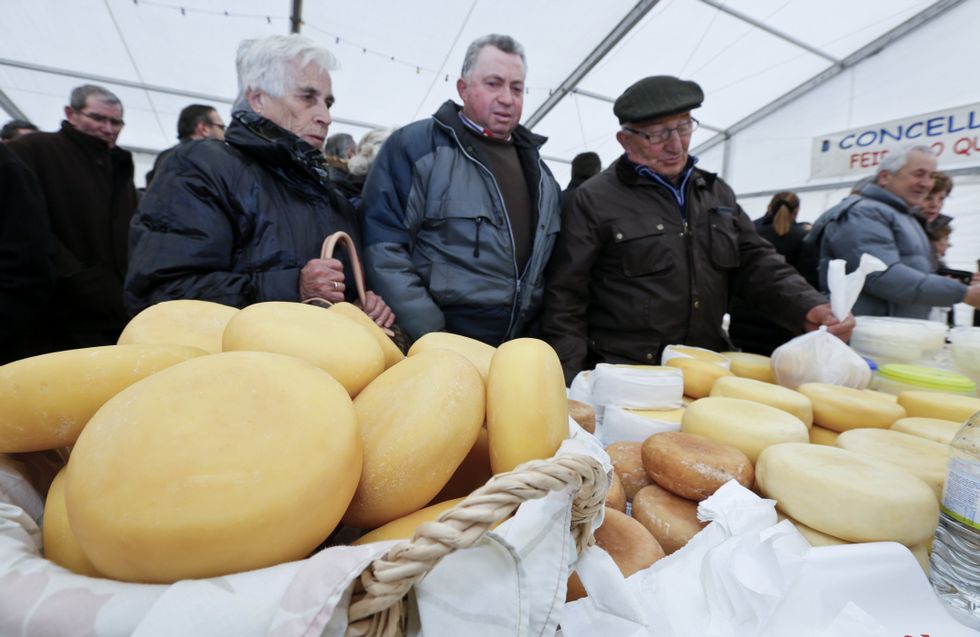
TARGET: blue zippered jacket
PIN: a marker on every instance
(437, 238)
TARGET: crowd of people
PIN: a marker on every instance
(461, 225)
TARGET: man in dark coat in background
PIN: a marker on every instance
(584, 165)
(87, 183)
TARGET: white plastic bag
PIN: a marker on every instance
(819, 356)
(619, 425)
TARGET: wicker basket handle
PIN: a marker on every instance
(377, 606)
(326, 252)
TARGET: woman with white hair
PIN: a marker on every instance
(241, 221)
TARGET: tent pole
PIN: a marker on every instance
(296, 17)
(8, 105)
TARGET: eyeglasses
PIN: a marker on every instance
(102, 119)
(684, 129)
(221, 126)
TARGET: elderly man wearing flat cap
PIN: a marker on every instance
(653, 248)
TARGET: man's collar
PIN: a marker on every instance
(482, 131)
(642, 169)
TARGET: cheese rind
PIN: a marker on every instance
(404, 527)
(477, 352)
(699, 375)
(929, 404)
(743, 424)
(754, 366)
(792, 402)
(923, 458)
(822, 436)
(224, 463)
(671, 519)
(180, 322)
(60, 545)
(847, 495)
(843, 408)
(692, 466)
(934, 429)
(46, 400)
(349, 310)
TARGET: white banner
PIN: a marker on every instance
(953, 134)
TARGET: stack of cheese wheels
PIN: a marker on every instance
(927, 404)
(182, 322)
(922, 458)
(847, 495)
(935, 429)
(223, 463)
(329, 340)
(418, 421)
(843, 408)
(792, 402)
(46, 400)
(743, 424)
(754, 366)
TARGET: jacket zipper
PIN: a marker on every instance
(476, 248)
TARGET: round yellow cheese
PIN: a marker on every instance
(225, 463)
(754, 366)
(697, 353)
(477, 352)
(354, 313)
(699, 375)
(404, 528)
(527, 408)
(934, 429)
(329, 340)
(743, 424)
(847, 495)
(923, 458)
(821, 436)
(792, 402)
(46, 400)
(472, 473)
(813, 536)
(418, 421)
(929, 404)
(182, 322)
(60, 545)
(843, 408)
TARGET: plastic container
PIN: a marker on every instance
(894, 378)
(887, 339)
(955, 561)
(966, 349)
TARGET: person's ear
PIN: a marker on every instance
(461, 87)
(255, 100)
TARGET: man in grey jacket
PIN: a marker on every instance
(460, 214)
(880, 221)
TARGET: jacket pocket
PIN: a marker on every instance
(642, 247)
(461, 226)
(724, 238)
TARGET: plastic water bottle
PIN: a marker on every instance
(955, 558)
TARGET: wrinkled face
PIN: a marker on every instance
(493, 94)
(98, 119)
(304, 110)
(933, 204)
(913, 181)
(666, 158)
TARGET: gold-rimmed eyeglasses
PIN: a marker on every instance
(659, 136)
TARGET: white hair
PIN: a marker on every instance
(270, 64)
(367, 150)
(895, 160)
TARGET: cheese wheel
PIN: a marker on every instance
(583, 414)
(671, 519)
(418, 421)
(813, 536)
(181, 322)
(792, 402)
(881, 395)
(923, 458)
(616, 495)
(46, 400)
(224, 463)
(527, 407)
(749, 427)
(60, 545)
(629, 544)
(934, 429)
(754, 366)
(329, 340)
(929, 404)
(822, 436)
(627, 461)
(843, 408)
(847, 495)
(697, 353)
(471, 474)
(672, 416)
(692, 466)
(404, 528)
(477, 352)
(349, 310)
(699, 375)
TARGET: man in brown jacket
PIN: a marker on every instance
(652, 249)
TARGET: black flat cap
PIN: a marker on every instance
(657, 96)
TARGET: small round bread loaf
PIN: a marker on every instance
(671, 519)
(616, 495)
(627, 460)
(583, 414)
(693, 466)
(629, 544)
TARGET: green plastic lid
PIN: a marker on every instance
(927, 377)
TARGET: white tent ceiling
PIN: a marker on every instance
(776, 73)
